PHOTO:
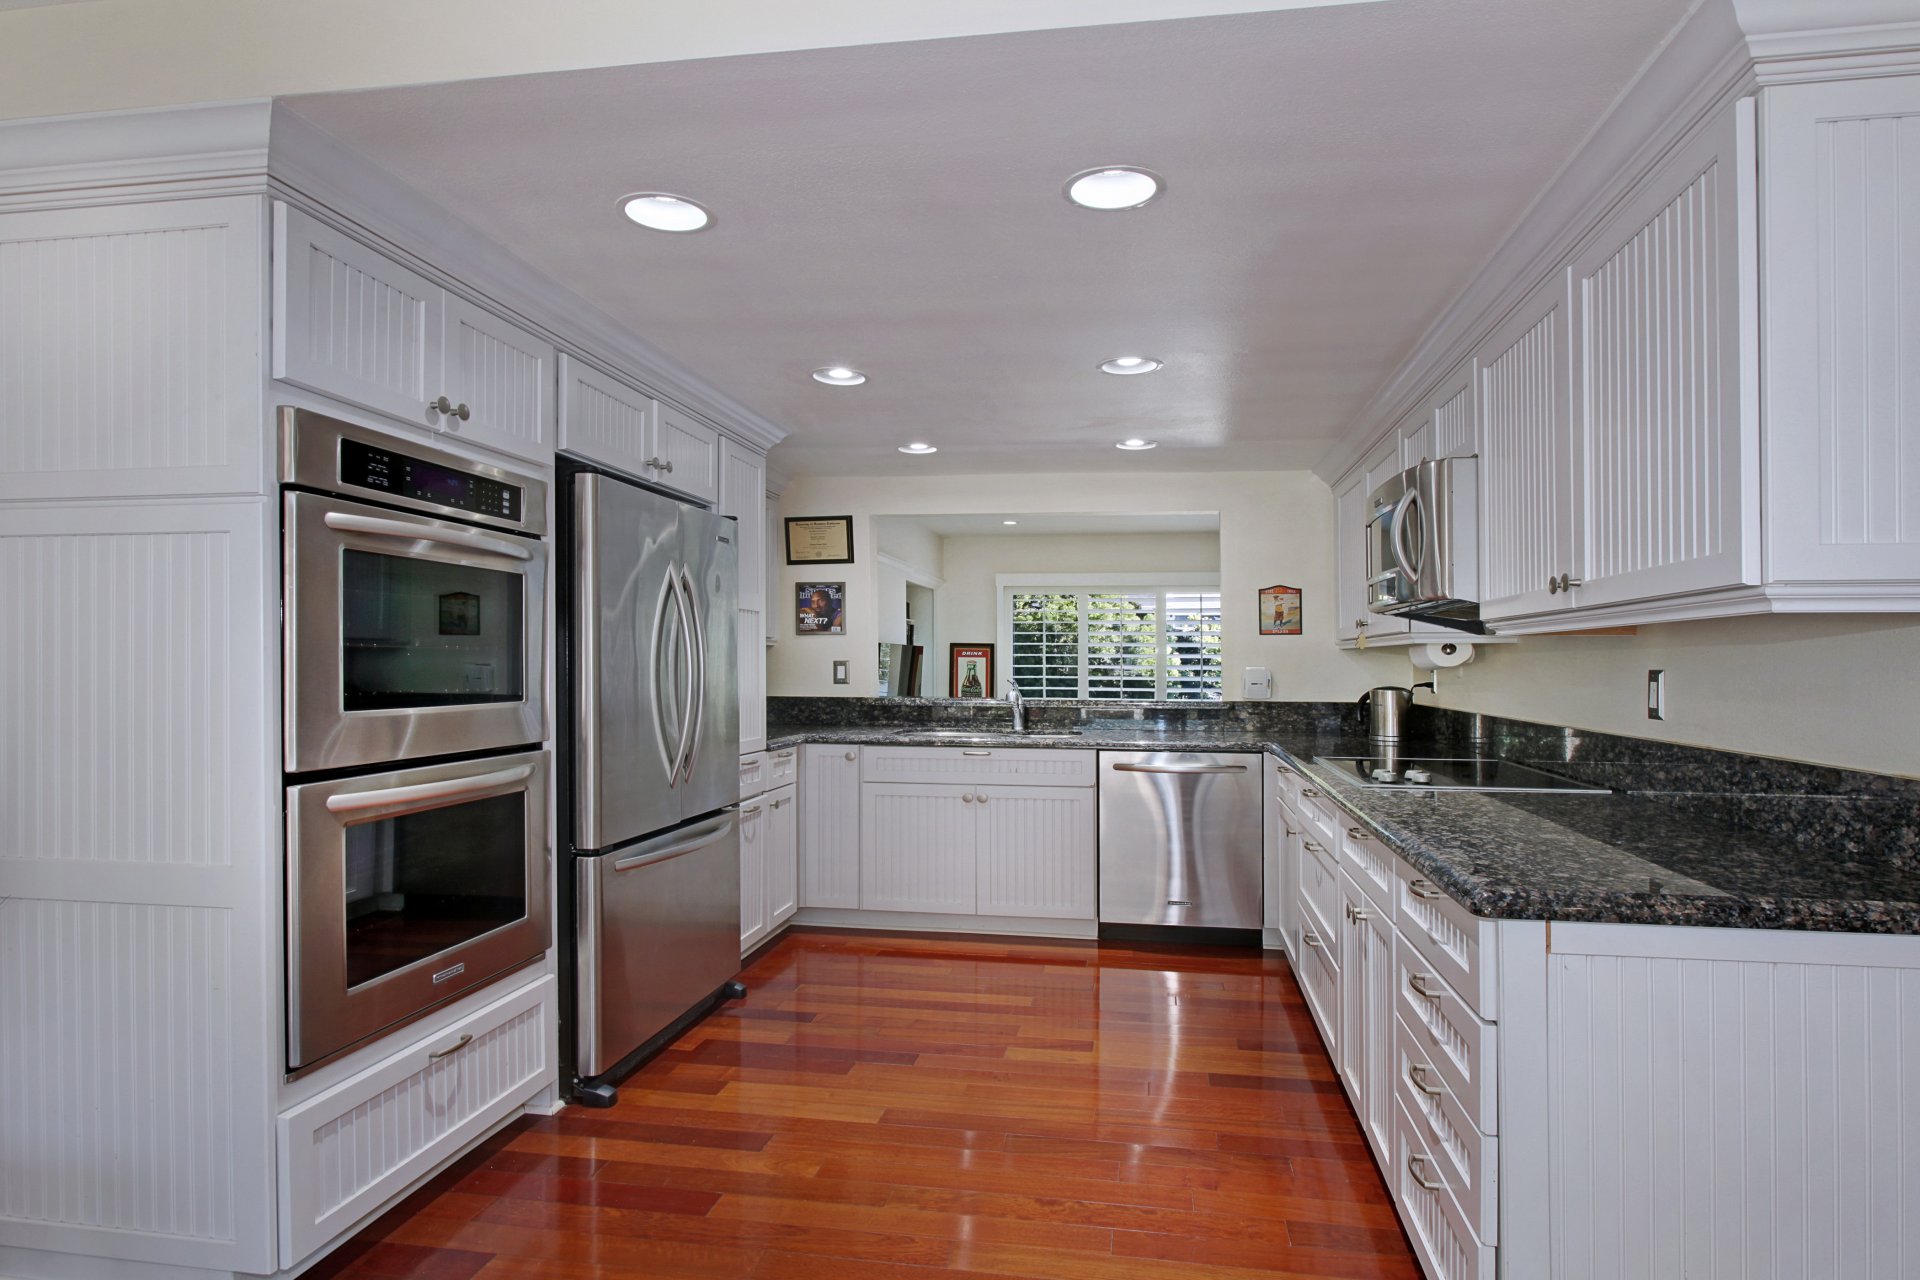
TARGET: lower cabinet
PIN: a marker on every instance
(1447, 1246)
(1366, 1011)
(979, 850)
(348, 1150)
(769, 866)
(829, 792)
(917, 845)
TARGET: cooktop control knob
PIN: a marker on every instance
(1419, 775)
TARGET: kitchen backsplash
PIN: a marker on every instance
(1849, 814)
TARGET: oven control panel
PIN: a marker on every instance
(365, 466)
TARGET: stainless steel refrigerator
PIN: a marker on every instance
(655, 771)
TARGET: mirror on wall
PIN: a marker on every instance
(1118, 606)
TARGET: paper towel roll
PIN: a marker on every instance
(1439, 657)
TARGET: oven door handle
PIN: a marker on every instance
(712, 833)
(424, 793)
(348, 522)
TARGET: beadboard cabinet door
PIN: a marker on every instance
(783, 868)
(920, 847)
(742, 495)
(1037, 851)
(1350, 557)
(1840, 184)
(829, 826)
(689, 455)
(504, 376)
(1529, 461)
(1366, 1012)
(604, 419)
(1666, 342)
(754, 915)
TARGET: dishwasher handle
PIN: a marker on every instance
(1179, 768)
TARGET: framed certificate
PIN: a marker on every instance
(819, 539)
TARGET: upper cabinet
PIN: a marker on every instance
(351, 323)
(743, 495)
(1840, 191)
(609, 421)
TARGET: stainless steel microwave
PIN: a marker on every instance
(1423, 545)
(414, 586)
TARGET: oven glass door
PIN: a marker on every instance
(407, 889)
(407, 636)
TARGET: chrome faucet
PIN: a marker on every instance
(1019, 705)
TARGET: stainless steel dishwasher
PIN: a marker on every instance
(1180, 839)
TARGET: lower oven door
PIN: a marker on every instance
(407, 889)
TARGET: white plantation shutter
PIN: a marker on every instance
(1128, 645)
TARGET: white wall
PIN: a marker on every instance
(1835, 690)
(970, 604)
(1274, 527)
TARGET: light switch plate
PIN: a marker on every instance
(1256, 683)
(1656, 695)
(840, 671)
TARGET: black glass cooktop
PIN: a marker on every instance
(1465, 774)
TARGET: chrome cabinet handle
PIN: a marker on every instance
(976, 753)
(1417, 1077)
(1309, 791)
(1312, 939)
(1311, 847)
(783, 755)
(1357, 914)
(1414, 1165)
(1568, 582)
(450, 409)
(1290, 832)
(1357, 834)
(1424, 889)
(456, 1047)
(1359, 623)
(1418, 983)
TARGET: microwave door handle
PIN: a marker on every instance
(709, 834)
(1409, 507)
(349, 522)
(426, 795)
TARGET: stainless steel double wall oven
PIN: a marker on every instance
(414, 620)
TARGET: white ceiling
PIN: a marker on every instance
(1335, 176)
(1047, 523)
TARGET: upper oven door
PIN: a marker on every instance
(407, 636)
(406, 889)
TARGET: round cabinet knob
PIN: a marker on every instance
(967, 799)
(981, 798)
(1553, 585)
(852, 756)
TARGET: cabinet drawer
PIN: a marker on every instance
(1440, 1233)
(1457, 1042)
(1454, 942)
(346, 1151)
(1324, 821)
(1465, 1156)
(755, 774)
(1007, 767)
(1320, 900)
(1372, 865)
(783, 766)
(1319, 976)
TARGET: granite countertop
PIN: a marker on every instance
(1619, 857)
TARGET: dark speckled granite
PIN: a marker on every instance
(1690, 837)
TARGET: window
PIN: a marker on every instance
(1109, 642)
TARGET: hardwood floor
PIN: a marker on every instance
(887, 1107)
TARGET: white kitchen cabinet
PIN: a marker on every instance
(918, 844)
(1036, 851)
(688, 452)
(829, 826)
(1840, 255)
(1664, 338)
(1439, 1230)
(1351, 618)
(742, 495)
(769, 871)
(1531, 527)
(1445, 425)
(605, 420)
(1367, 1011)
(351, 323)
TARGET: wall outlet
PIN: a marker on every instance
(840, 671)
(1656, 695)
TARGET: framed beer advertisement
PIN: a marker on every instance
(969, 671)
(1279, 611)
(819, 539)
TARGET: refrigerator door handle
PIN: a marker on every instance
(712, 833)
(695, 634)
(666, 623)
(683, 653)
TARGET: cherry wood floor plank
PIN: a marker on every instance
(886, 1107)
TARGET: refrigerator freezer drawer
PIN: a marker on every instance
(658, 932)
(1180, 839)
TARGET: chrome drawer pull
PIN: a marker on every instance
(1312, 939)
(1417, 1077)
(1357, 834)
(1357, 914)
(1311, 847)
(784, 755)
(1414, 1166)
(1423, 889)
(456, 1047)
(1418, 983)
(976, 753)
(1309, 791)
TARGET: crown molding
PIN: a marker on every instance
(120, 157)
(340, 185)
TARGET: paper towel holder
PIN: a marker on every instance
(1443, 656)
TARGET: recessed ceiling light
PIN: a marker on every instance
(839, 375)
(1114, 187)
(918, 446)
(1137, 444)
(1009, 522)
(659, 211)
(1131, 364)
